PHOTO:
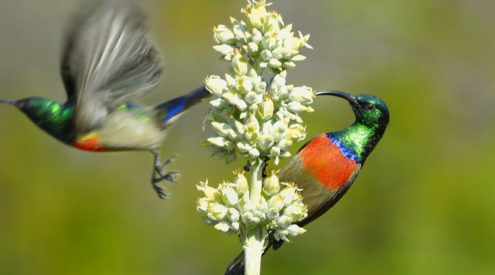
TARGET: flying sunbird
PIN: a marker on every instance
(326, 166)
(108, 59)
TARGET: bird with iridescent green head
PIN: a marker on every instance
(108, 59)
(326, 166)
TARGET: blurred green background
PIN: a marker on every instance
(423, 204)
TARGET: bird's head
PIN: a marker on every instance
(370, 110)
(50, 116)
(30, 106)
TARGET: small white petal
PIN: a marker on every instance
(284, 221)
(295, 230)
(233, 215)
(222, 226)
(216, 211)
(229, 195)
(274, 63)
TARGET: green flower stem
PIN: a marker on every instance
(256, 180)
(253, 244)
(254, 239)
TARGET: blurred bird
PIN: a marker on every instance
(326, 166)
(109, 58)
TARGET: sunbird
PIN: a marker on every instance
(326, 166)
(107, 59)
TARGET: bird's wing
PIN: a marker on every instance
(108, 57)
(337, 195)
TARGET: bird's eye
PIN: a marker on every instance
(370, 107)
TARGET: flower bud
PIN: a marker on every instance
(274, 63)
(238, 30)
(218, 103)
(257, 36)
(303, 95)
(280, 53)
(215, 85)
(295, 211)
(253, 98)
(209, 192)
(285, 32)
(222, 226)
(243, 147)
(281, 234)
(273, 214)
(235, 226)
(244, 84)
(248, 218)
(297, 107)
(284, 221)
(295, 230)
(239, 63)
(293, 43)
(219, 142)
(233, 215)
(295, 132)
(225, 50)
(252, 47)
(269, 42)
(229, 195)
(245, 204)
(265, 142)
(223, 129)
(252, 124)
(235, 100)
(266, 55)
(202, 205)
(266, 109)
(254, 153)
(289, 65)
(256, 15)
(271, 184)
(216, 211)
(222, 34)
(276, 202)
(272, 23)
(241, 183)
(288, 195)
(298, 58)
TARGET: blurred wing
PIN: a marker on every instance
(108, 57)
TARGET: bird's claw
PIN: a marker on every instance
(170, 176)
(169, 160)
(160, 175)
(160, 191)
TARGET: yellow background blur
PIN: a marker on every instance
(423, 203)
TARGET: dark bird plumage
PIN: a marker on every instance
(326, 166)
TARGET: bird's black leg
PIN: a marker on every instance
(160, 175)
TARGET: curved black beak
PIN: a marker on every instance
(351, 98)
(11, 102)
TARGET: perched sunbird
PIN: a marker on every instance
(326, 166)
(109, 58)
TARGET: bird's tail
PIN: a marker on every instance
(236, 266)
(174, 107)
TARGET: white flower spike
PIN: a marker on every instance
(256, 115)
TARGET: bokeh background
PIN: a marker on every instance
(423, 203)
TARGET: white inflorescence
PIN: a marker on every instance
(228, 207)
(256, 115)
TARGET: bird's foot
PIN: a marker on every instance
(160, 175)
(165, 163)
